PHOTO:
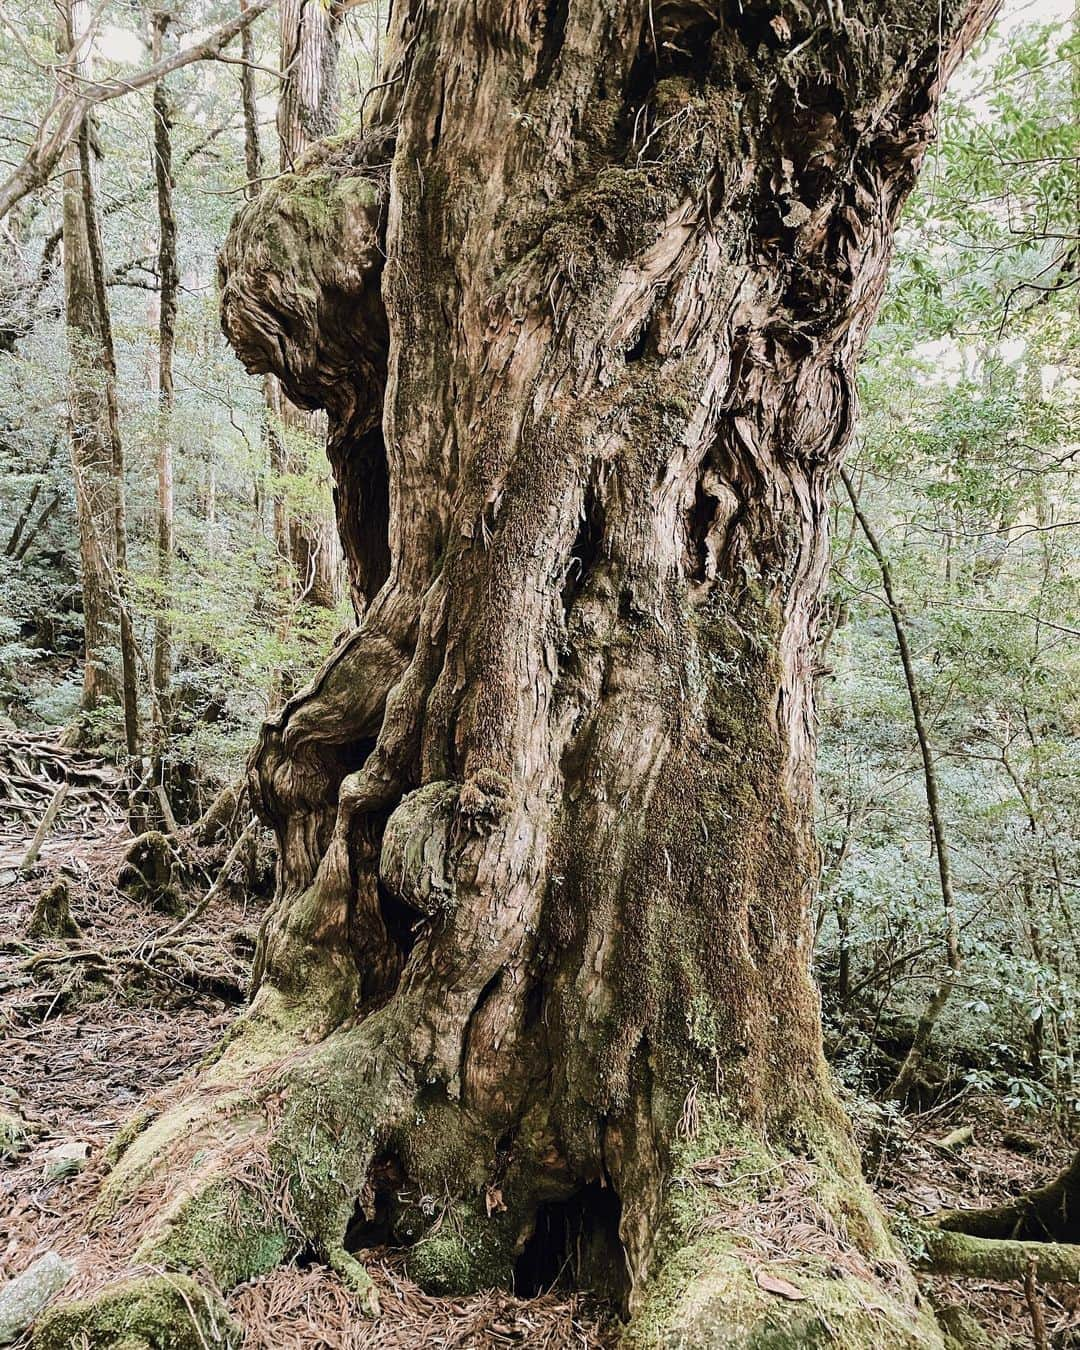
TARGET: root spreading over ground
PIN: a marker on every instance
(90, 1043)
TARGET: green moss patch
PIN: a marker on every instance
(464, 1254)
(226, 1230)
(714, 1295)
(159, 1312)
(14, 1134)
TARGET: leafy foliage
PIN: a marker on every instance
(966, 464)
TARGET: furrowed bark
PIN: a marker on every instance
(583, 305)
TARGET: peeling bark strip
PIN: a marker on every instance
(583, 305)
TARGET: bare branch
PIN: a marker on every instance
(69, 109)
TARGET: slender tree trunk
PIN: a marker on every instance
(908, 1073)
(169, 279)
(583, 306)
(21, 523)
(273, 444)
(32, 531)
(252, 149)
(308, 106)
(129, 677)
(93, 465)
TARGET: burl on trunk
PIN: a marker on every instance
(583, 300)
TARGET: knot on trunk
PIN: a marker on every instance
(415, 849)
(300, 289)
(482, 800)
(416, 860)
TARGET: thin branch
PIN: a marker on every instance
(909, 1069)
(69, 109)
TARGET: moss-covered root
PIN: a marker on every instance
(149, 873)
(155, 1312)
(354, 1276)
(716, 1295)
(52, 914)
(775, 1244)
(996, 1258)
(962, 1330)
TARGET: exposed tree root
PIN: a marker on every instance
(997, 1258)
(148, 1312)
(1047, 1213)
(770, 1248)
(754, 1240)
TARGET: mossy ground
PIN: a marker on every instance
(464, 1254)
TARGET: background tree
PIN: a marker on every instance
(96, 445)
(169, 282)
(967, 461)
(226, 615)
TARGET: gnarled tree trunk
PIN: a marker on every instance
(583, 305)
(308, 110)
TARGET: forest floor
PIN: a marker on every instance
(101, 1025)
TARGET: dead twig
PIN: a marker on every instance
(52, 810)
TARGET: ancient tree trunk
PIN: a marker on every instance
(583, 305)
